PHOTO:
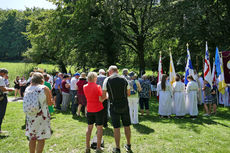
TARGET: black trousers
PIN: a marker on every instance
(105, 105)
(58, 98)
(22, 90)
(3, 105)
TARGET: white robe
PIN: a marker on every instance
(165, 99)
(191, 100)
(179, 98)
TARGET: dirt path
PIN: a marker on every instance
(12, 99)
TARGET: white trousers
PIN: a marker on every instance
(133, 109)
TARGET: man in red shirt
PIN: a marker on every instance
(95, 111)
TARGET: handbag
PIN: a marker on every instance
(1, 96)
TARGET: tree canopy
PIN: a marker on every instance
(129, 33)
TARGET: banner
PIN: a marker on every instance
(226, 66)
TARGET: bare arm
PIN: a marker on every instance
(104, 96)
(48, 96)
(3, 89)
(128, 92)
(101, 98)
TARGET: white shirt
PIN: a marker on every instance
(73, 83)
(22, 83)
(2, 82)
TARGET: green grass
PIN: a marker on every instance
(152, 135)
(23, 69)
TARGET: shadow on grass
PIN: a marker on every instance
(80, 119)
(223, 114)
(3, 136)
(143, 129)
(23, 127)
(108, 132)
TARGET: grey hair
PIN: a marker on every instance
(101, 71)
(113, 68)
(91, 76)
(37, 78)
(144, 77)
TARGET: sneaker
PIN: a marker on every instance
(87, 150)
(128, 148)
(116, 150)
(99, 150)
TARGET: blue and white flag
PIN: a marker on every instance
(189, 68)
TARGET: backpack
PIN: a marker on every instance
(31, 104)
(134, 87)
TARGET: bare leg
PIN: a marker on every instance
(40, 145)
(99, 136)
(214, 108)
(88, 135)
(209, 111)
(206, 108)
(15, 93)
(117, 136)
(32, 146)
(79, 109)
(127, 134)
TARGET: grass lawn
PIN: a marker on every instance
(205, 134)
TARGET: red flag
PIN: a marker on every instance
(226, 66)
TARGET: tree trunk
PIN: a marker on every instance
(141, 55)
(62, 67)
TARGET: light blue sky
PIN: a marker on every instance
(22, 4)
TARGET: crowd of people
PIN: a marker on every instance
(100, 96)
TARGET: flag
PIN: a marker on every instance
(172, 73)
(220, 72)
(160, 70)
(226, 66)
(207, 67)
(214, 72)
(189, 68)
(160, 73)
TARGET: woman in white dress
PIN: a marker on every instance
(164, 91)
(179, 97)
(191, 90)
(38, 127)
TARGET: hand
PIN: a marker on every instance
(10, 89)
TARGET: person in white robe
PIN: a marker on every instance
(191, 90)
(226, 97)
(179, 97)
(164, 90)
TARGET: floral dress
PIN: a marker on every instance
(38, 127)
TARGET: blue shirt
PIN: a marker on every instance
(58, 82)
(146, 86)
(100, 79)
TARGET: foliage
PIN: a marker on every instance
(151, 135)
(12, 42)
(129, 33)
